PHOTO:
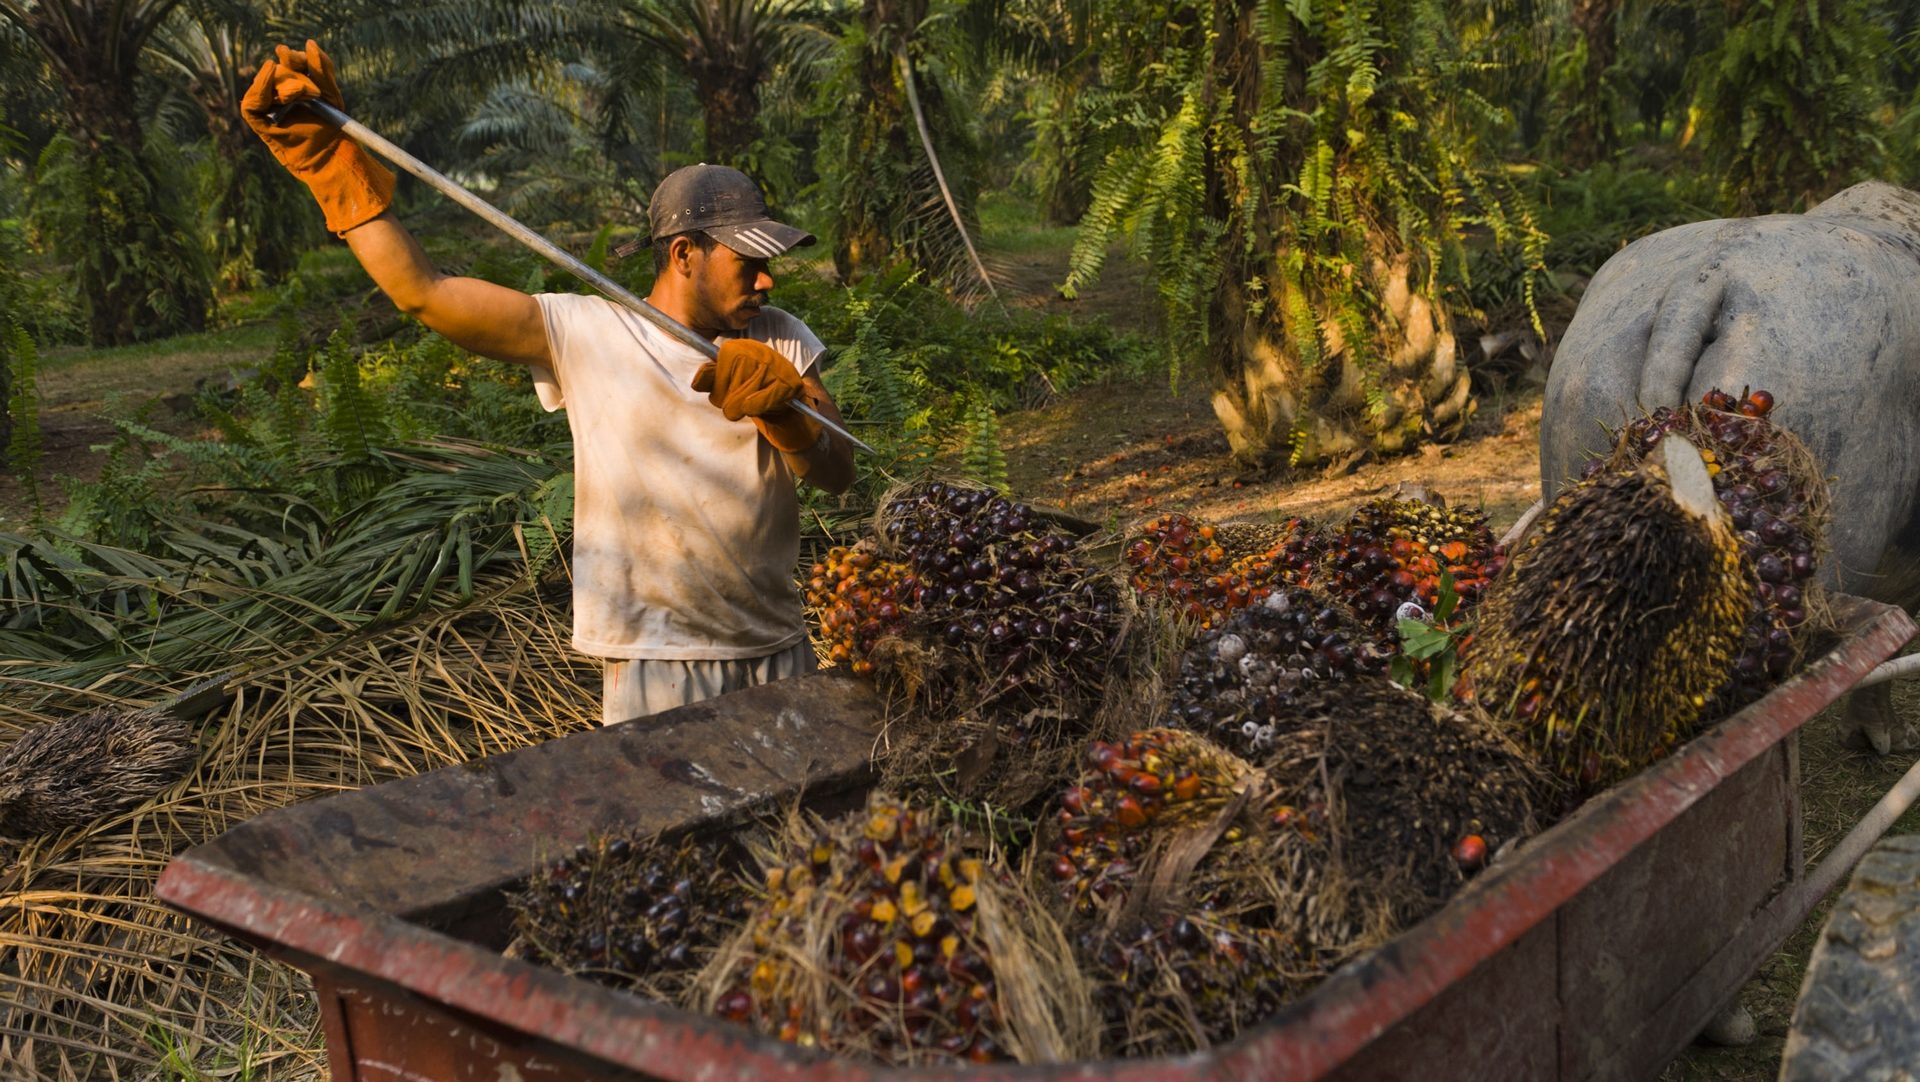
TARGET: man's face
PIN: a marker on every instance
(728, 287)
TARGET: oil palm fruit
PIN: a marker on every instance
(1189, 565)
(1003, 602)
(869, 937)
(1393, 551)
(859, 598)
(1236, 681)
(636, 913)
(1619, 619)
(1129, 792)
(1776, 498)
(1180, 981)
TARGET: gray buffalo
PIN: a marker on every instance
(1823, 310)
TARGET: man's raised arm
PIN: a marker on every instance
(354, 191)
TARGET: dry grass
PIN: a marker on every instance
(103, 982)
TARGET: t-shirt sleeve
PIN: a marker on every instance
(783, 331)
(561, 313)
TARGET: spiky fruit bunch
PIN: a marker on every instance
(998, 586)
(1187, 979)
(1186, 969)
(1776, 498)
(870, 938)
(1209, 890)
(968, 543)
(859, 598)
(1154, 780)
(1619, 619)
(1182, 560)
(1237, 681)
(1243, 539)
(1408, 782)
(1393, 551)
(635, 913)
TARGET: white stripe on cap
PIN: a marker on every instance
(762, 241)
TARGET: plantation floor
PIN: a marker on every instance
(80, 391)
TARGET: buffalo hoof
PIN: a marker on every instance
(1869, 721)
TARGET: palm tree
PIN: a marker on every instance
(897, 151)
(1589, 102)
(140, 273)
(727, 49)
(1296, 177)
(1786, 105)
(260, 221)
(457, 82)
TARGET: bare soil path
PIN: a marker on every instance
(80, 391)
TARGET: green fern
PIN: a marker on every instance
(351, 420)
(24, 446)
(984, 459)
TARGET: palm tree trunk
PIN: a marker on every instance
(1397, 382)
(1589, 107)
(730, 104)
(140, 275)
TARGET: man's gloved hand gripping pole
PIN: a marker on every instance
(752, 379)
(744, 378)
(351, 188)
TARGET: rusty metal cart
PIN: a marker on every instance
(1593, 951)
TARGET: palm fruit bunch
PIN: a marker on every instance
(1207, 890)
(870, 938)
(1417, 795)
(1776, 498)
(997, 586)
(1619, 619)
(1154, 780)
(1393, 551)
(859, 598)
(640, 914)
(1186, 979)
(1189, 563)
(1192, 971)
(1237, 680)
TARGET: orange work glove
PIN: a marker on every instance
(752, 379)
(350, 186)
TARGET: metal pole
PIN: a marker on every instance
(1899, 668)
(555, 254)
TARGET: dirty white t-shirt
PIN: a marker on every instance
(686, 526)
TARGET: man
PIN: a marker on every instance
(686, 524)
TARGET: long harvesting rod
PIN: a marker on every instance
(554, 254)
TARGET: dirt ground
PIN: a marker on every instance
(1120, 452)
(80, 391)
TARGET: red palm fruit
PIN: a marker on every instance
(1470, 852)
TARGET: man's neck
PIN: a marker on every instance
(674, 304)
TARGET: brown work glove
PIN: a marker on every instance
(752, 379)
(350, 186)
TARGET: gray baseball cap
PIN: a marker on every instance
(723, 203)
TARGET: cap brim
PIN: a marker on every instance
(763, 239)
